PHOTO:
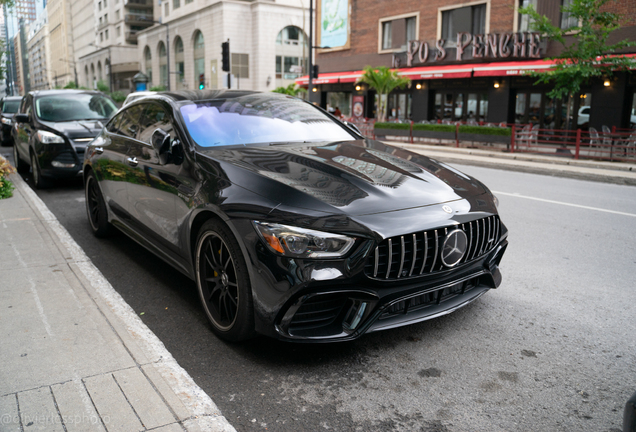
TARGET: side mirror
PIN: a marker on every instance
(21, 118)
(169, 150)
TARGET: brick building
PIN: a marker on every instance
(466, 61)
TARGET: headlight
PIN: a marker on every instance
(6, 121)
(303, 243)
(496, 200)
(49, 138)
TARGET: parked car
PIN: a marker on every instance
(52, 129)
(292, 224)
(137, 95)
(8, 107)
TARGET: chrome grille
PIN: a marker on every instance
(418, 253)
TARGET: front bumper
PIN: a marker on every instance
(328, 301)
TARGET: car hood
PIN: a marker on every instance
(78, 128)
(356, 177)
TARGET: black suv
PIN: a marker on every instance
(8, 107)
(52, 129)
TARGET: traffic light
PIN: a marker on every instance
(225, 56)
(201, 81)
(314, 72)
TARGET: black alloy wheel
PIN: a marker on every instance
(19, 163)
(223, 283)
(38, 181)
(96, 208)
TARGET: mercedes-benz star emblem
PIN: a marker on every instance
(447, 209)
(454, 248)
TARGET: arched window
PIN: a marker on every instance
(148, 64)
(291, 55)
(199, 60)
(94, 77)
(179, 63)
(163, 65)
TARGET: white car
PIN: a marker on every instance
(584, 116)
(137, 95)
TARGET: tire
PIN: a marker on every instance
(223, 283)
(96, 208)
(38, 180)
(19, 163)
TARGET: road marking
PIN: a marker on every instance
(565, 204)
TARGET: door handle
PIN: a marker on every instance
(99, 150)
(132, 161)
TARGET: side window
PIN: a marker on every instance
(112, 125)
(154, 118)
(129, 125)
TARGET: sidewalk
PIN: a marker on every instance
(609, 172)
(75, 356)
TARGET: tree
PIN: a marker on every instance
(290, 90)
(586, 54)
(383, 80)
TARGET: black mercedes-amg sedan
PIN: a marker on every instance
(291, 223)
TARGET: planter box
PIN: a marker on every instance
(487, 138)
(379, 132)
(434, 134)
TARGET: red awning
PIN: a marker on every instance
(494, 69)
(510, 68)
(437, 72)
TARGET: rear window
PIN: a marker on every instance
(10, 106)
(73, 107)
(260, 118)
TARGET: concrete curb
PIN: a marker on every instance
(194, 409)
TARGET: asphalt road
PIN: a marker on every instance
(553, 349)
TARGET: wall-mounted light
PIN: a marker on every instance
(606, 82)
(418, 86)
(358, 88)
(314, 89)
(496, 85)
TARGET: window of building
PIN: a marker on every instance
(148, 64)
(240, 65)
(471, 19)
(179, 63)
(101, 36)
(117, 15)
(176, 4)
(188, 1)
(567, 20)
(199, 58)
(100, 20)
(105, 18)
(290, 35)
(524, 21)
(163, 65)
(106, 34)
(118, 31)
(397, 31)
(105, 3)
(99, 6)
(167, 9)
(457, 105)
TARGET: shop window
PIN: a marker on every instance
(399, 106)
(240, 65)
(176, 4)
(199, 59)
(290, 35)
(567, 20)
(459, 106)
(538, 109)
(341, 101)
(471, 19)
(524, 21)
(395, 32)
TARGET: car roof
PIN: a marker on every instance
(12, 98)
(204, 95)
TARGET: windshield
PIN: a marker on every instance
(10, 106)
(77, 106)
(259, 118)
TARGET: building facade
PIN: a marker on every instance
(62, 49)
(267, 43)
(466, 61)
(39, 53)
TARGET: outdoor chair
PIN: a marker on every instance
(595, 142)
(607, 139)
(523, 136)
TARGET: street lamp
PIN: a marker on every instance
(74, 69)
(110, 66)
(167, 52)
